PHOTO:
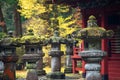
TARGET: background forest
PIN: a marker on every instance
(43, 18)
(22, 15)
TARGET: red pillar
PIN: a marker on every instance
(104, 63)
(83, 18)
(82, 44)
(9, 71)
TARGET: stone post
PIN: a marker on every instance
(69, 52)
(55, 54)
(93, 54)
(9, 57)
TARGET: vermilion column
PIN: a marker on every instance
(83, 26)
(9, 63)
(104, 68)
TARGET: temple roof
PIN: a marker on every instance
(87, 3)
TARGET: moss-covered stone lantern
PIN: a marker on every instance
(55, 54)
(93, 54)
(69, 41)
(33, 56)
(8, 55)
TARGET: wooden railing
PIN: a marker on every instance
(77, 62)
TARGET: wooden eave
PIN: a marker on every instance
(75, 3)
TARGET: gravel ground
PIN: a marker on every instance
(68, 77)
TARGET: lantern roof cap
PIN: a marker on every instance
(30, 38)
(9, 40)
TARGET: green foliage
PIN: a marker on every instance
(2, 35)
(11, 2)
(8, 7)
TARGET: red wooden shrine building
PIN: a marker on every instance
(107, 13)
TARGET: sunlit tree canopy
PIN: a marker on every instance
(30, 8)
(40, 27)
(45, 18)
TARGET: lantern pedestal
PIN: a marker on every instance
(56, 65)
(92, 66)
(55, 75)
(68, 67)
(70, 42)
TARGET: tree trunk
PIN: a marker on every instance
(2, 22)
(18, 26)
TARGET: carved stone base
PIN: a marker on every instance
(93, 75)
(55, 75)
(41, 72)
(68, 70)
(32, 75)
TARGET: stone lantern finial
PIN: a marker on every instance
(30, 32)
(10, 33)
(92, 22)
(56, 33)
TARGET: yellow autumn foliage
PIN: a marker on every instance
(40, 27)
(30, 8)
(65, 27)
(33, 9)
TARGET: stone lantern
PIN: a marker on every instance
(93, 54)
(8, 56)
(55, 54)
(69, 41)
(33, 56)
